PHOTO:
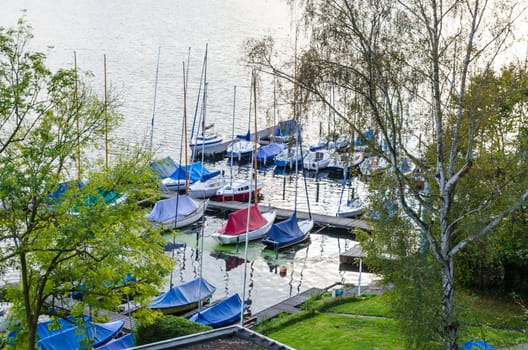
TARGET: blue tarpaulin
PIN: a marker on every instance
(124, 342)
(58, 325)
(196, 172)
(183, 294)
(78, 337)
(285, 232)
(222, 314)
(165, 167)
(167, 209)
(268, 152)
(476, 345)
(367, 135)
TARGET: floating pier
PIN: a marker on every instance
(320, 220)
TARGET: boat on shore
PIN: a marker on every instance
(223, 313)
(183, 297)
(237, 227)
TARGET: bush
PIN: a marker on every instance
(167, 327)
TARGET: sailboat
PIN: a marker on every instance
(242, 147)
(206, 139)
(352, 206)
(317, 160)
(208, 185)
(291, 231)
(237, 227)
(221, 314)
(239, 189)
(71, 336)
(268, 152)
(183, 297)
(178, 211)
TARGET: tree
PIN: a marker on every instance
(60, 234)
(405, 68)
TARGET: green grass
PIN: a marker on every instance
(369, 304)
(494, 311)
(324, 331)
(350, 322)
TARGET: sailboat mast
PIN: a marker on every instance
(233, 135)
(154, 104)
(255, 137)
(185, 127)
(105, 113)
(76, 98)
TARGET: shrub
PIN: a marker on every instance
(167, 327)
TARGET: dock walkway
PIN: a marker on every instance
(320, 220)
(289, 305)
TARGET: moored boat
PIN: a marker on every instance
(177, 211)
(183, 297)
(268, 152)
(205, 141)
(317, 160)
(352, 208)
(239, 190)
(240, 149)
(207, 188)
(220, 314)
(288, 232)
(289, 157)
(75, 336)
(237, 228)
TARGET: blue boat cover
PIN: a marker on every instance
(367, 135)
(476, 345)
(124, 342)
(269, 151)
(183, 294)
(58, 325)
(196, 172)
(77, 337)
(166, 209)
(165, 167)
(222, 314)
(63, 187)
(246, 137)
(285, 232)
(286, 127)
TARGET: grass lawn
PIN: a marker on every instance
(324, 331)
(365, 323)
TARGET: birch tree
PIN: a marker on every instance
(405, 68)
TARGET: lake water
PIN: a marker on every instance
(130, 33)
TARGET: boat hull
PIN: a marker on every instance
(305, 226)
(186, 220)
(178, 310)
(206, 189)
(239, 197)
(253, 235)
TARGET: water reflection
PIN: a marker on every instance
(271, 276)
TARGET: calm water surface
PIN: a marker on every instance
(130, 33)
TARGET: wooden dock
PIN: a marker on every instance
(289, 305)
(351, 255)
(319, 219)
